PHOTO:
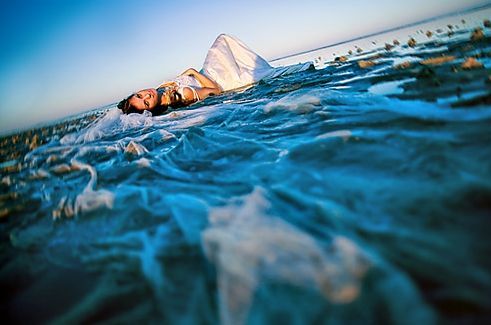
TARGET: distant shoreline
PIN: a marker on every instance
(53, 122)
(465, 11)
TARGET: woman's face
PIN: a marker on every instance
(145, 99)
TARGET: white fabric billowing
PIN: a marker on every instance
(232, 64)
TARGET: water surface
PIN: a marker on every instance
(337, 195)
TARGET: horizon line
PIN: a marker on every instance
(463, 11)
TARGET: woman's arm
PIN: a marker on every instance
(203, 80)
(202, 94)
(168, 84)
(206, 92)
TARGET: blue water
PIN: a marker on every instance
(339, 195)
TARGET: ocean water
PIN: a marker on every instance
(341, 195)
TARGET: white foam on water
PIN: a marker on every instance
(299, 104)
(343, 134)
(113, 122)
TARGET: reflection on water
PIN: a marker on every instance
(357, 193)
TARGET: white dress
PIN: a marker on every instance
(187, 82)
(232, 64)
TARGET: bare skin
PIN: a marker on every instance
(209, 87)
(147, 99)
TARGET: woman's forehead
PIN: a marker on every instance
(143, 91)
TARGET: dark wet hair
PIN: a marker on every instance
(126, 107)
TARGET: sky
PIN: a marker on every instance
(59, 58)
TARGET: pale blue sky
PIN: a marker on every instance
(59, 58)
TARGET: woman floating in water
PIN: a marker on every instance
(229, 64)
(188, 88)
